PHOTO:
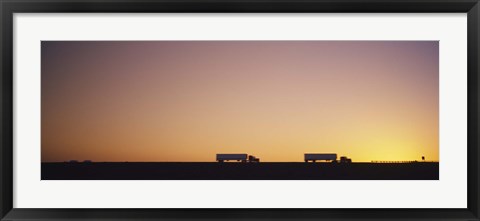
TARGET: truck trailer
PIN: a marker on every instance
(320, 156)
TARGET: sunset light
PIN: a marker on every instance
(186, 101)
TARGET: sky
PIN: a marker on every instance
(179, 101)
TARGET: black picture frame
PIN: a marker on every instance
(9, 7)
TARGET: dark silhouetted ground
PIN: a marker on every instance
(240, 171)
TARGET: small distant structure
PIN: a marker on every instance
(423, 158)
(397, 161)
(87, 161)
(239, 157)
(72, 161)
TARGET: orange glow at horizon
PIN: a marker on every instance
(189, 100)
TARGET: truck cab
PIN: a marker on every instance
(344, 159)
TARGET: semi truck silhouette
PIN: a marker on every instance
(241, 157)
(328, 157)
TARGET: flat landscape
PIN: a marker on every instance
(239, 171)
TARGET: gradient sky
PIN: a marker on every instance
(188, 100)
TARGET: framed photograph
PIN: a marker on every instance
(254, 110)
